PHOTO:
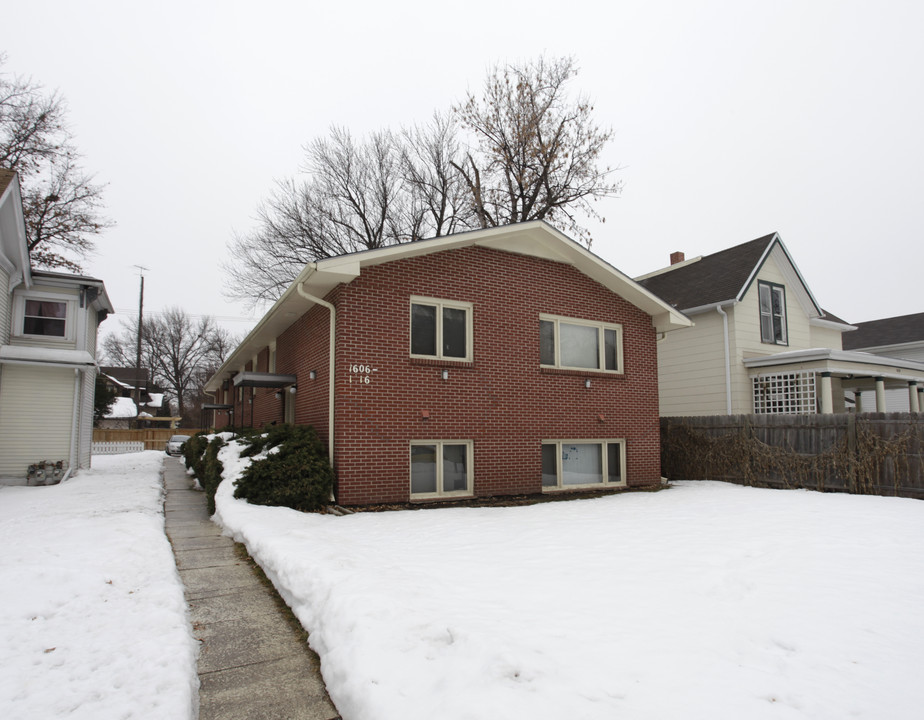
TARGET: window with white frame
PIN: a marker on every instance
(583, 463)
(772, 299)
(441, 468)
(792, 393)
(579, 344)
(441, 329)
(45, 315)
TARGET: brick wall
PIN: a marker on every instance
(502, 401)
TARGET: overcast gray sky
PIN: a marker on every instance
(732, 119)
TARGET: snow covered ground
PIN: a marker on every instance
(93, 622)
(705, 601)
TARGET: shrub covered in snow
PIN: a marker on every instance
(200, 454)
(295, 471)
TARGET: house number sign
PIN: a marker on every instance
(361, 374)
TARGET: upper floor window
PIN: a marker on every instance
(772, 313)
(441, 329)
(40, 314)
(579, 344)
(44, 317)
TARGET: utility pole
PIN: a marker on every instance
(141, 270)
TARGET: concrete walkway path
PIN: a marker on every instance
(254, 661)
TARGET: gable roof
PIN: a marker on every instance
(536, 238)
(14, 251)
(720, 278)
(887, 331)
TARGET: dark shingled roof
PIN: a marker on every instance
(6, 177)
(888, 331)
(713, 279)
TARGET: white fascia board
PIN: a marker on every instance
(831, 324)
(777, 240)
(846, 361)
(700, 309)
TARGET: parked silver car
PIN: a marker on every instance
(175, 444)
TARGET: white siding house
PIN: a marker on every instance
(760, 343)
(48, 330)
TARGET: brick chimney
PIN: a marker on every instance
(676, 257)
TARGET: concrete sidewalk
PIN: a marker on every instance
(254, 661)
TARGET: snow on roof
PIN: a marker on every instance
(122, 408)
(157, 400)
(50, 356)
(145, 415)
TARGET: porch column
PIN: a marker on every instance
(913, 396)
(827, 404)
(920, 398)
(858, 401)
(880, 395)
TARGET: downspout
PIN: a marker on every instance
(75, 419)
(728, 392)
(330, 397)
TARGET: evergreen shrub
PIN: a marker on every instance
(297, 475)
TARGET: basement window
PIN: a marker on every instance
(573, 464)
(441, 468)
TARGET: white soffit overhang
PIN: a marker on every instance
(535, 239)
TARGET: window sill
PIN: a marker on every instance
(441, 498)
(593, 486)
(439, 362)
(546, 370)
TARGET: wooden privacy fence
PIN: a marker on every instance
(153, 438)
(869, 453)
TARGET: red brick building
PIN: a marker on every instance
(495, 362)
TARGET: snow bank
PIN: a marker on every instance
(94, 622)
(705, 601)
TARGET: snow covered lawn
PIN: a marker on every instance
(706, 600)
(93, 622)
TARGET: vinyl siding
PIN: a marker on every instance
(826, 338)
(747, 330)
(691, 369)
(36, 408)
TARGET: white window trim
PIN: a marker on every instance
(605, 468)
(70, 318)
(601, 344)
(469, 445)
(439, 305)
(772, 288)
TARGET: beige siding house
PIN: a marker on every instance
(761, 343)
(48, 330)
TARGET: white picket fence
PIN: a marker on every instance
(117, 448)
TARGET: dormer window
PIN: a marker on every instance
(772, 313)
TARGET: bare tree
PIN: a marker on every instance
(523, 150)
(179, 351)
(535, 152)
(61, 204)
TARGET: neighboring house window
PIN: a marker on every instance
(772, 313)
(579, 344)
(441, 329)
(45, 315)
(792, 393)
(583, 463)
(441, 468)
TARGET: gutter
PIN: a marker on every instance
(728, 389)
(75, 420)
(331, 357)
